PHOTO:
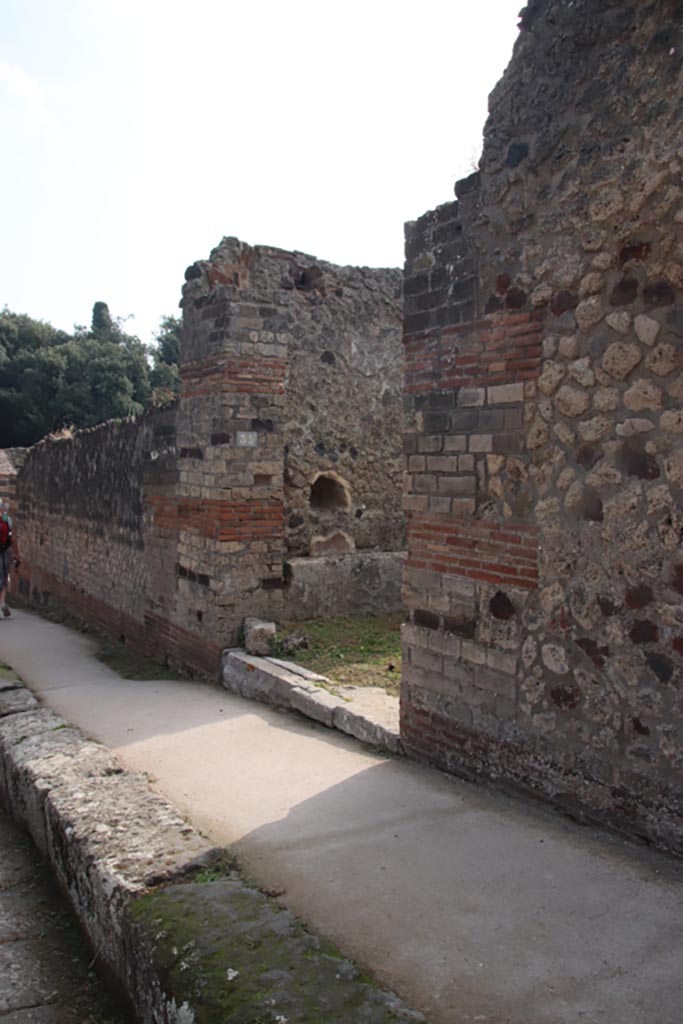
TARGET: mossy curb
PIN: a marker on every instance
(230, 955)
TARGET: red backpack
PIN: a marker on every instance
(5, 535)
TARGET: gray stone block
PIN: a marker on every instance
(297, 670)
(318, 705)
(14, 701)
(365, 730)
(257, 678)
(258, 636)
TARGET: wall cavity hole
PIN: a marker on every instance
(501, 607)
(329, 493)
(329, 358)
(309, 280)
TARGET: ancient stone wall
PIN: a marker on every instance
(169, 530)
(544, 432)
(289, 424)
(87, 534)
(343, 408)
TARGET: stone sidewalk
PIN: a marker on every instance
(46, 973)
(473, 907)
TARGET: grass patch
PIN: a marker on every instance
(350, 651)
(224, 866)
(7, 672)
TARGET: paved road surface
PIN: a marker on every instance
(45, 976)
(472, 906)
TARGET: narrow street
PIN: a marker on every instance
(472, 906)
(46, 972)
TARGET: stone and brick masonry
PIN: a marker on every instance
(284, 444)
(292, 387)
(544, 433)
(543, 436)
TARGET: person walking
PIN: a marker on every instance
(5, 556)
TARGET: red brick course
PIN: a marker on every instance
(233, 375)
(502, 349)
(491, 552)
(218, 520)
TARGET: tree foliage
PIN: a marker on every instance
(50, 379)
(165, 375)
(101, 323)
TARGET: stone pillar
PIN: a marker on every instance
(227, 511)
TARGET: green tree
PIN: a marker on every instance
(30, 387)
(49, 378)
(102, 325)
(165, 374)
(19, 332)
(32, 361)
(102, 381)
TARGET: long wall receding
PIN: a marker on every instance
(11, 461)
(544, 433)
(272, 487)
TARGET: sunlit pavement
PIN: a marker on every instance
(472, 906)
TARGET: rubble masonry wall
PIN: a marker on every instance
(544, 430)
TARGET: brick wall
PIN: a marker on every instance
(230, 441)
(543, 334)
(88, 541)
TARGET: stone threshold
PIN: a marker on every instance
(367, 713)
(167, 914)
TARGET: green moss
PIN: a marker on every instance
(223, 866)
(235, 957)
(7, 672)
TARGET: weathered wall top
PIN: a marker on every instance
(267, 268)
(581, 133)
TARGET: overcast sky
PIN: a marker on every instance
(137, 133)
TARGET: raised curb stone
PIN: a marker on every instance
(9, 684)
(12, 701)
(286, 685)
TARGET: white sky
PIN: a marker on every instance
(136, 133)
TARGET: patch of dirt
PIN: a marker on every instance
(130, 665)
(351, 651)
